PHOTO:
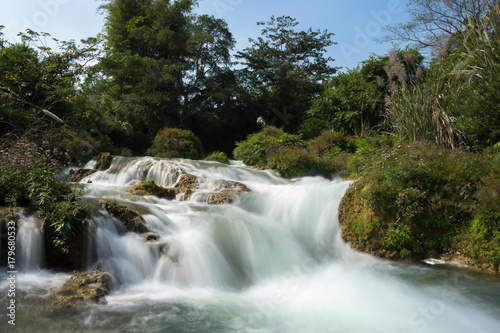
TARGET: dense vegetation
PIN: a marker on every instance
(419, 135)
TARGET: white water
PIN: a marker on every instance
(273, 261)
(29, 244)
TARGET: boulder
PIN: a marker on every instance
(82, 289)
(70, 255)
(132, 220)
(150, 188)
(186, 185)
(103, 161)
(228, 192)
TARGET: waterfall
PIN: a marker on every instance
(265, 233)
(272, 261)
(29, 243)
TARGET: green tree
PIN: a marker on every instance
(285, 69)
(353, 102)
(165, 67)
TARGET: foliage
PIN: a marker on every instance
(427, 194)
(479, 107)
(28, 174)
(287, 153)
(217, 156)
(353, 101)
(285, 69)
(426, 110)
(166, 66)
(176, 143)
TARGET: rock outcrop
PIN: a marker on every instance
(227, 192)
(132, 220)
(186, 185)
(150, 188)
(103, 161)
(82, 289)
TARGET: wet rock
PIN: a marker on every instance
(150, 188)
(71, 254)
(150, 237)
(132, 220)
(229, 191)
(83, 288)
(79, 174)
(186, 185)
(103, 161)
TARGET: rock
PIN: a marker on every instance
(186, 185)
(132, 220)
(229, 191)
(150, 237)
(103, 161)
(83, 288)
(150, 188)
(72, 254)
(76, 175)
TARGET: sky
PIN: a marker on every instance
(355, 23)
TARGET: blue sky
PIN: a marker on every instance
(354, 23)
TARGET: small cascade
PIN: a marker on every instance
(30, 244)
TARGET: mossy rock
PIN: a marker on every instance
(82, 289)
(70, 255)
(217, 156)
(186, 185)
(229, 191)
(132, 220)
(150, 188)
(103, 161)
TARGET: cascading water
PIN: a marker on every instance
(272, 261)
(30, 243)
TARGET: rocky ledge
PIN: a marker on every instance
(82, 289)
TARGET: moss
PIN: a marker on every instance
(150, 188)
(217, 156)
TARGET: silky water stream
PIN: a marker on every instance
(272, 261)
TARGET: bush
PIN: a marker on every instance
(176, 143)
(332, 142)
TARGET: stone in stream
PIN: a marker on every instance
(83, 288)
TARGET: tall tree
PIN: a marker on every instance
(163, 67)
(285, 69)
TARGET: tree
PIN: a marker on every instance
(353, 102)
(285, 69)
(40, 86)
(437, 24)
(165, 67)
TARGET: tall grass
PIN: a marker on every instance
(427, 110)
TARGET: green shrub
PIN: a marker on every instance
(176, 143)
(332, 142)
(217, 156)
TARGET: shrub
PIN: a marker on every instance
(176, 143)
(332, 142)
